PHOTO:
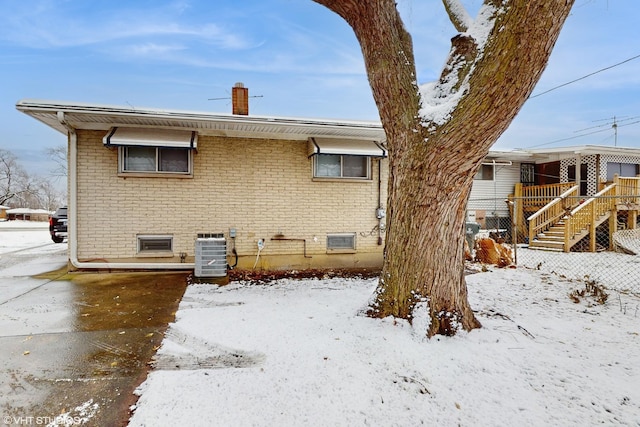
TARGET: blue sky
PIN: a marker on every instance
(299, 58)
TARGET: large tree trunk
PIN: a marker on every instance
(432, 161)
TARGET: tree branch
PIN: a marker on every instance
(387, 49)
(458, 15)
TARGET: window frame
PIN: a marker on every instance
(367, 176)
(122, 153)
(141, 238)
(341, 249)
(482, 173)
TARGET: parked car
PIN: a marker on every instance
(58, 225)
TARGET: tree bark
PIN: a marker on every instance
(432, 164)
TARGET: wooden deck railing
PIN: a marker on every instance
(540, 195)
(587, 213)
(627, 190)
(552, 212)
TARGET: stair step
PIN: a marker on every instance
(550, 237)
(549, 244)
(544, 248)
(553, 232)
(551, 241)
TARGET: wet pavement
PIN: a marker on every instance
(75, 346)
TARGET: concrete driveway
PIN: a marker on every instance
(74, 346)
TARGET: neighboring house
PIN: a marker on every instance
(146, 185)
(27, 214)
(3, 212)
(502, 170)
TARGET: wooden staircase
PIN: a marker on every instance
(561, 217)
(561, 224)
(554, 238)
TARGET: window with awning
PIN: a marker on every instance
(344, 158)
(151, 137)
(153, 151)
(348, 147)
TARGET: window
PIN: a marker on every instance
(155, 160)
(341, 242)
(626, 170)
(153, 150)
(342, 166)
(527, 174)
(485, 173)
(155, 243)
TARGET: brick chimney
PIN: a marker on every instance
(240, 99)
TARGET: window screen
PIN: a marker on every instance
(342, 241)
(141, 159)
(173, 160)
(155, 243)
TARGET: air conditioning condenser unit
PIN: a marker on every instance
(211, 255)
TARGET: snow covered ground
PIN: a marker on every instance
(614, 270)
(300, 352)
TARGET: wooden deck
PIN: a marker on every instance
(556, 217)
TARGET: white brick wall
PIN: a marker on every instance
(260, 187)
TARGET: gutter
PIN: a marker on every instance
(73, 219)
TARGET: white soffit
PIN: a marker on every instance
(64, 115)
(153, 137)
(351, 147)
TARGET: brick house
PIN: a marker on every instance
(146, 185)
(283, 193)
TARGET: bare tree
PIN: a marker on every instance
(19, 188)
(439, 133)
(59, 156)
(42, 195)
(14, 181)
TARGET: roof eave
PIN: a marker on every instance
(103, 117)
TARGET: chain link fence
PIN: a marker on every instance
(605, 251)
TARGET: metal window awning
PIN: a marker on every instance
(351, 147)
(151, 137)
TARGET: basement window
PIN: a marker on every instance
(153, 244)
(341, 243)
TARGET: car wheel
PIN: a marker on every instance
(57, 239)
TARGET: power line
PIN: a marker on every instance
(611, 122)
(581, 135)
(584, 77)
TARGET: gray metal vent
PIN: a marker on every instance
(211, 255)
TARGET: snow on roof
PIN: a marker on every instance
(21, 211)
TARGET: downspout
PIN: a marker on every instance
(380, 220)
(73, 218)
